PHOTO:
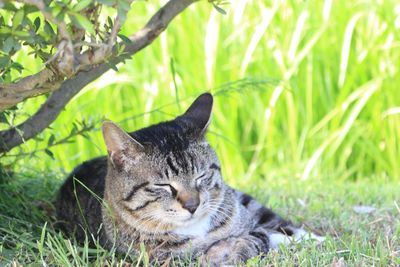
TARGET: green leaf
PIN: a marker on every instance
(3, 118)
(18, 17)
(86, 136)
(9, 7)
(107, 2)
(17, 66)
(219, 9)
(81, 5)
(22, 34)
(110, 22)
(4, 61)
(125, 39)
(60, 15)
(82, 22)
(5, 30)
(36, 22)
(8, 44)
(48, 29)
(30, 9)
(120, 49)
(49, 153)
(50, 142)
(112, 66)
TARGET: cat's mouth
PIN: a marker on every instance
(194, 218)
(180, 217)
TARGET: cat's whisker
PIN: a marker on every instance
(218, 211)
(157, 228)
(142, 221)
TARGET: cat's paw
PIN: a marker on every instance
(229, 252)
(218, 252)
(223, 253)
(277, 239)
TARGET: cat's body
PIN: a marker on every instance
(162, 186)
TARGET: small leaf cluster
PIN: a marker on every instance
(217, 4)
(25, 26)
(79, 128)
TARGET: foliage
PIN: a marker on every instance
(27, 26)
(80, 50)
(79, 128)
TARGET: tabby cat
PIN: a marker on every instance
(162, 186)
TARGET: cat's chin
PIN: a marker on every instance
(183, 218)
(174, 222)
(195, 226)
(192, 220)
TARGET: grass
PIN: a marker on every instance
(357, 239)
(306, 117)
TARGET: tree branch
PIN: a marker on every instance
(49, 111)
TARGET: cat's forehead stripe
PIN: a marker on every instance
(182, 160)
(166, 173)
(172, 166)
(192, 162)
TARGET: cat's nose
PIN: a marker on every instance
(190, 203)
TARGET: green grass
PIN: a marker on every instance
(357, 239)
(307, 110)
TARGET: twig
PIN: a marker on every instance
(114, 32)
(59, 142)
(80, 44)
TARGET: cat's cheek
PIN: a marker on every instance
(171, 206)
(215, 191)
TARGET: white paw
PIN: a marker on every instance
(277, 239)
(299, 235)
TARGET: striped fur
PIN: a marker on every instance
(162, 186)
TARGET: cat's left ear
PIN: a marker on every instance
(199, 113)
(120, 145)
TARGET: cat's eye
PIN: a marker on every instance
(200, 179)
(174, 192)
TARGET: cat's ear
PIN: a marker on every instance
(199, 113)
(120, 145)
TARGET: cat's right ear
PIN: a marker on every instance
(120, 145)
(199, 113)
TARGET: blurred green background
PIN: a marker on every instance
(303, 89)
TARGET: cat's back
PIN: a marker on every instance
(79, 199)
(90, 174)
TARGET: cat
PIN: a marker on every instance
(162, 186)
